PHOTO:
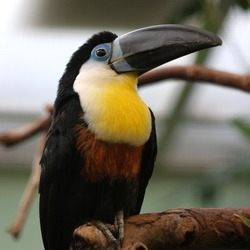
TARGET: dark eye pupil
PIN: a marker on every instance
(101, 52)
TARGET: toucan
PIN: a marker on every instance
(101, 147)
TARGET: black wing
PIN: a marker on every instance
(58, 160)
(147, 165)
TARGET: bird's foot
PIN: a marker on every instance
(119, 226)
(107, 230)
(115, 235)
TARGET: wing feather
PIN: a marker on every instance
(58, 158)
(147, 164)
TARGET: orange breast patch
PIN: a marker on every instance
(105, 160)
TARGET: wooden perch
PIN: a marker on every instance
(40, 125)
(176, 229)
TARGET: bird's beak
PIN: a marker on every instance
(147, 48)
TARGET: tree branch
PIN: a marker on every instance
(40, 124)
(30, 191)
(196, 73)
(214, 228)
(12, 138)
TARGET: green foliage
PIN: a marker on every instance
(207, 10)
(244, 4)
(243, 126)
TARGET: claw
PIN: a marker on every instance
(114, 235)
(119, 226)
(107, 230)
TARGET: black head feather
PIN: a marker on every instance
(78, 58)
(83, 53)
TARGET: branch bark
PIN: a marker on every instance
(197, 228)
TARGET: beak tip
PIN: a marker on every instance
(209, 39)
(216, 41)
(213, 39)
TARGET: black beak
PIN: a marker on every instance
(147, 48)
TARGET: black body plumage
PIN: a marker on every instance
(67, 199)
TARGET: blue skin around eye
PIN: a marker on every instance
(104, 46)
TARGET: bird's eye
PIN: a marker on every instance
(101, 52)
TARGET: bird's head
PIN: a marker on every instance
(107, 55)
(104, 71)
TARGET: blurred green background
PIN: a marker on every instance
(203, 131)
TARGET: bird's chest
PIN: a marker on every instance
(107, 161)
(114, 111)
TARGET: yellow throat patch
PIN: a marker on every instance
(112, 107)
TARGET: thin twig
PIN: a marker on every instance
(9, 139)
(27, 131)
(30, 191)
